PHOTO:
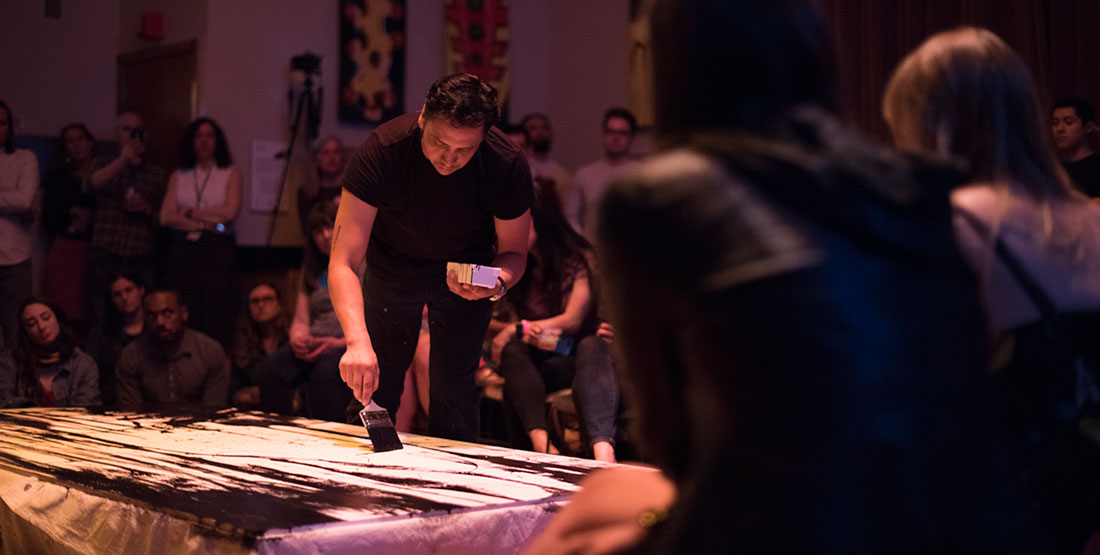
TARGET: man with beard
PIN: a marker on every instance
(171, 364)
(592, 179)
(550, 177)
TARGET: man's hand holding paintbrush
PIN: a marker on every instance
(359, 369)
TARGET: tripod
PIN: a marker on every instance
(313, 121)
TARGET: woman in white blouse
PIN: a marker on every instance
(200, 206)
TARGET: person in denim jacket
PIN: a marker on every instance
(44, 367)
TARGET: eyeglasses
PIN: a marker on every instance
(620, 132)
(262, 300)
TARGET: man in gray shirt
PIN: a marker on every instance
(592, 180)
(171, 364)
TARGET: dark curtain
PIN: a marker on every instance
(1057, 39)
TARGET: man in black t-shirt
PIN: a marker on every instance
(424, 189)
(1072, 121)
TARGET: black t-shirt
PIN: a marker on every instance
(426, 219)
(1085, 174)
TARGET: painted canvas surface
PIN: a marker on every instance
(245, 474)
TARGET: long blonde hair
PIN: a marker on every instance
(969, 93)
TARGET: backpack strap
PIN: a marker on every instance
(1031, 287)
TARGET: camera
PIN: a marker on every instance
(309, 63)
(137, 133)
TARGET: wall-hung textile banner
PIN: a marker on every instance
(372, 61)
(475, 40)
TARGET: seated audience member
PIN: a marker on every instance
(803, 341)
(591, 180)
(1019, 208)
(18, 184)
(324, 185)
(67, 219)
(171, 365)
(260, 331)
(1073, 122)
(121, 327)
(316, 338)
(596, 392)
(553, 303)
(128, 190)
(44, 367)
(203, 200)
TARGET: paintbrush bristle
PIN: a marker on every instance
(380, 428)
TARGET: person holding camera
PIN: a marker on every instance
(128, 190)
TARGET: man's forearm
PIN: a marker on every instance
(108, 172)
(512, 265)
(347, 300)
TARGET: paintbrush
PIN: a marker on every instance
(380, 428)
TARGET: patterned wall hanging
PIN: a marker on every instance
(372, 60)
(475, 40)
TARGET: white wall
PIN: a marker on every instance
(245, 76)
(57, 71)
(570, 61)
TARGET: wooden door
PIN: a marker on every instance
(160, 83)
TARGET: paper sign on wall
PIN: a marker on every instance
(267, 175)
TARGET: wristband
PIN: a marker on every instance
(503, 289)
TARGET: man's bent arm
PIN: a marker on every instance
(511, 255)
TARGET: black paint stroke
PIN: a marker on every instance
(242, 508)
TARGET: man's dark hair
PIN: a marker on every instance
(222, 158)
(464, 100)
(621, 113)
(9, 139)
(511, 128)
(1082, 107)
(738, 64)
(173, 292)
(533, 115)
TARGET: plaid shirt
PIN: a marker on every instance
(127, 233)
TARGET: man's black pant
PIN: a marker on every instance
(457, 326)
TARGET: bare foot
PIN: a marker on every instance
(540, 442)
(603, 451)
